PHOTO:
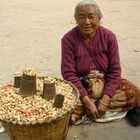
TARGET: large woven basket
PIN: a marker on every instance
(55, 130)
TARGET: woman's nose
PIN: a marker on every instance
(87, 20)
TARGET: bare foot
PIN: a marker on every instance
(75, 117)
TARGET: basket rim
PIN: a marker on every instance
(10, 84)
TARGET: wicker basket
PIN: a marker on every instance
(54, 130)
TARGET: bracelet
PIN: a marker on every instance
(103, 103)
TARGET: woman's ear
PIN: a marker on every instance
(75, 20)
(101, 21)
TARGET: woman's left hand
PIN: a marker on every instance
(102, 104)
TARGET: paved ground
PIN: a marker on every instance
(30, 35)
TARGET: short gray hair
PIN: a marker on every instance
(88, 2)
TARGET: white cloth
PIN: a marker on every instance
(2, 130)
(109, 116)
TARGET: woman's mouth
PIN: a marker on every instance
(87, 28)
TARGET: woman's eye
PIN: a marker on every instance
(81, 17)
(92, 17)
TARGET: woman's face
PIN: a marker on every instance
(87, 20)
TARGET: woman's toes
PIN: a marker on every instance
(74, 118)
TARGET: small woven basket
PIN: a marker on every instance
(55, 130)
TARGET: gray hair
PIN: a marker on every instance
(88, 2)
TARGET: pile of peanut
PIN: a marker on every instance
(34, 109)
(29, 71)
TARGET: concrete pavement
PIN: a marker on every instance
(30, 35)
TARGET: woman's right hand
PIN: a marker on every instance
(90, 107)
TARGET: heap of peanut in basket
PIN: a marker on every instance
(16, 108)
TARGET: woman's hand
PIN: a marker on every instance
(102, 104)
(90, 107)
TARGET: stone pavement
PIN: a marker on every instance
(30, 35)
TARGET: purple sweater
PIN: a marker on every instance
(79, 56)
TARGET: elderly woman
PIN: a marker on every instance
(91, 51)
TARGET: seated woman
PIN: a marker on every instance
(90, 51)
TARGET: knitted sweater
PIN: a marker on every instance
(79, 56)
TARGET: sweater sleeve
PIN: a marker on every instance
(68, 69)
(113, 75)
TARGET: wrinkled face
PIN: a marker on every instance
(87, 20)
